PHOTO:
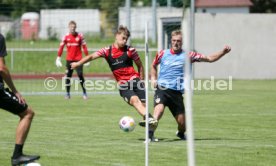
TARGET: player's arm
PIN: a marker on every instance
(215, 56)
(85, 59)
(61, 46)
(85, 50)
(60, 50)
(153, 75)
(140, 68)
(135, 57)
(84, 47)
(5, 74)
(153, 70)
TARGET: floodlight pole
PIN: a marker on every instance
(189, 43)
(146, 96)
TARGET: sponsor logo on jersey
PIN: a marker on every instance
(72, 44)
(117, 62)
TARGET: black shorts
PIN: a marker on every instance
(69, 71)
(9, 102)
(171, 98)
(131, 88)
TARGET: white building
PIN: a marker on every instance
(88, 21)
(169, 18)
(141, 15)
(5, 24)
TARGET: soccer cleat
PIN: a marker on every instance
(67, 96)
(180, 135)
(84, 96)
(153, 123)
(151, 137)
(23, 159)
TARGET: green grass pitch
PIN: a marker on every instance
(232, 128)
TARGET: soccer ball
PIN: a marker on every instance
(32, 164)
(127, 124)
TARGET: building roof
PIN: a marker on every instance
(223, 3)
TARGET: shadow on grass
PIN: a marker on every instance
(215, 139)
(196, 139)
(163, 140)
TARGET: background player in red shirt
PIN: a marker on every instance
(120, 58)
(73, 41)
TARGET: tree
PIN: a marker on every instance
(175, 3)
(111, 10)
(263, 6)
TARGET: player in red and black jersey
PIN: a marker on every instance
(120, 58)
(74, 41)
(12, 101)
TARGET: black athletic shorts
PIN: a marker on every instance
(171, 98)
(79, 69)
(9, 102)
(131, 88)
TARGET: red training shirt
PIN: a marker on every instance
(126, 73)
(73, 44)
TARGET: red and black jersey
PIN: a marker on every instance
(73, 44)
(120, 61)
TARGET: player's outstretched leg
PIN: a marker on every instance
(22, 130)
(180, 119)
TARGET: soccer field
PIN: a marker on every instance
(232, 128)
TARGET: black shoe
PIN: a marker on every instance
(151, 137)
(181, 135)
(153, 123)
(67, 96)
(23, 159)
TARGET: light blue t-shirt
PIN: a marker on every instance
(172, 70)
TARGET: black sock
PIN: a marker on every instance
(150, 116)
(151, 133)
(18, 151)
